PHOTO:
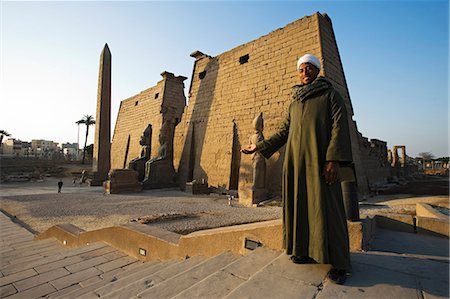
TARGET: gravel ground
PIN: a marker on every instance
(39, 206)
(89, 209)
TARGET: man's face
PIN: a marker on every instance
(307, 73)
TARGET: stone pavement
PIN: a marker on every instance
(402, 265)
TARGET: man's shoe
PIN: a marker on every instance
(302, 260)
(338, 276)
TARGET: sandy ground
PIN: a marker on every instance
(40, 206)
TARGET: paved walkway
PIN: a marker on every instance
(402, 265)
(31, 269)
(399, 265)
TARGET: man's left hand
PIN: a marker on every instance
(331, 172)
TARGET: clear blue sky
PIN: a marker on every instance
(395, 58)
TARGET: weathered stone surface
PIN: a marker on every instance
(227, 279)
(138, 111)
(116, 264)
(36, 292)
(426, 210)
(176, 284)
(197, 187)
(17, 276)
(122, 181)
(138, 164)
(77, 277)
(228, 89)
(435, 226)
(273, 285)
(256, 192)
(102, 140)
(40, 279)
(126, 287)
(7, 290)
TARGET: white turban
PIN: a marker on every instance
(308, 58)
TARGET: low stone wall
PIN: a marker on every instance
(149, 243)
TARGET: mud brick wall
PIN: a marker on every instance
(165, 100)
(228, 91)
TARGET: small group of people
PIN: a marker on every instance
(317, 138)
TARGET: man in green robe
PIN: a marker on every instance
(317, 139)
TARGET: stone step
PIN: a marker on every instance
(178, 283)
(292, 281)
(113, 285)
(35, 247)
(63, 254)
(43, 253)
(83, 289)
(88, 284)
(14, 237)
(80, 266)
(132, 284)
(222, 282)
(36, 292)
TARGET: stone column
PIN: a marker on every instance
(395, 157)
(101, 161)
(403, 148)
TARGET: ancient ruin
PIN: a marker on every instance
(228, 90)
(225, 94)
(122, 181)
(145, 120)
(159, 171)
(396, 161)
(101, 159)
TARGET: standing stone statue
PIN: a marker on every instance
(258, 162)
(138, 164)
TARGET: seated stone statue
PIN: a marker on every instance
(138, 164)
(159, 171)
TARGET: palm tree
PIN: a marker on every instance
(88, 120)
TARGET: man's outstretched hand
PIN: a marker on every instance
(249, 149)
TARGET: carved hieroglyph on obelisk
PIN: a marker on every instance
(101, 161)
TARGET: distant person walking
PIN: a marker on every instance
(60, 184)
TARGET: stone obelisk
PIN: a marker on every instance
(101, 161)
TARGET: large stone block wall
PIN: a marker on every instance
(166, 99)
(333, 69)
(135, 114)
(226, 93)
(377, 168)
